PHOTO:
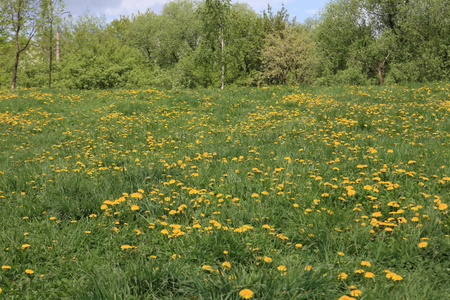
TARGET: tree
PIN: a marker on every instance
(168, 42)
(97, 56)
(143, 34)
(22, 17)
(181, 28)
(180, 41)
(216, 16)
(287, 56)
(340, 29)
(368, 41)
(423, 47)
(50, 15)
(244, 45)
(273, 22)
(6, 57)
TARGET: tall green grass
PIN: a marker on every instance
(307, 193)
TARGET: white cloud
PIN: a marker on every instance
(128, 7)
(114, 8)
(258, 5)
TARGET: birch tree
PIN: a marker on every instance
(21, 18)
(216, 16)
(50, 16)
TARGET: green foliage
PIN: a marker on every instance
(399, 41)
(287, 56)
(216, 43)
(20, 22)
(95, 58)
(6, 59)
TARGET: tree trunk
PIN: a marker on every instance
(16, 39)
(222, 44)
(50, 58)
(381, 68)
(16, 65)
(57, 47)
(380, 77)
(50, 69)
(16, 19)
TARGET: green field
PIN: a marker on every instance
(269, 193)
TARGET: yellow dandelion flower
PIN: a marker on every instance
(6, 267)
(246, 294)
(226, 265)
(298, 245)
(356, 293)
(369, 275)
(365, 263)
(134, 207)
(342, 275)
(397, 277)
(136, 195)
(423, 244)
(29, 271)
(308, 268)
(125, 247)
(377, 214)
(207, 268)
(401, 220)
(25, 246)
(281, 268)
(442, 206)
(267, 259)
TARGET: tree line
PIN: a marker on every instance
(216, 43)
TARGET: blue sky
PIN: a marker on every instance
(301, 9)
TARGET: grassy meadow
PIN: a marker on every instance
(262, 193)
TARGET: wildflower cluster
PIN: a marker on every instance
(270, 192)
